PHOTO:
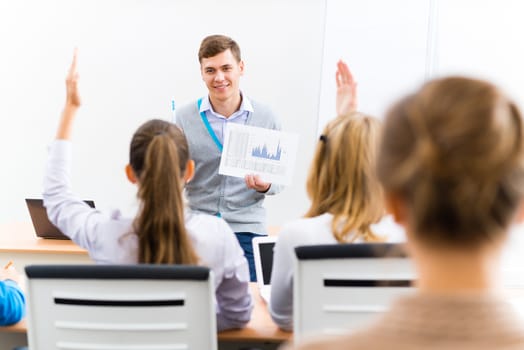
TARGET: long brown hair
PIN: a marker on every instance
(158, 156)
(454, 151)
(342, 179)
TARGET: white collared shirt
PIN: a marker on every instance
(219, 122)
(110, 238)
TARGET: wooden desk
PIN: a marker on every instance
(19, 243)
(20, 327)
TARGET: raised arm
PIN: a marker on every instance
(72, 102)
(346, 90)
(70, 214)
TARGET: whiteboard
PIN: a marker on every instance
(134, 55)
(487, 45)
(137, 54)
(385, 44)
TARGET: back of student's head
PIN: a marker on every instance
(158, 156)
(453, 152)
(342, 179)
(215, 44)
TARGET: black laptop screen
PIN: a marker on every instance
(266, 259)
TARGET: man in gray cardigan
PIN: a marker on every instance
(238, 201)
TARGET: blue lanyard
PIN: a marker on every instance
(209, 128)
(212, 134)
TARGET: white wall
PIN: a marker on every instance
(385, 44)
(134, 56)
(482, 38)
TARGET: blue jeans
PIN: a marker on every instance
(245, 238)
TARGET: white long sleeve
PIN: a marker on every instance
(306, 231)
(110, 239)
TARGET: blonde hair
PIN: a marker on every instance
(342, 179)
(454, 152)
(158, 157)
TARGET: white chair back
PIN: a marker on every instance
(120, 307)
(341, 287)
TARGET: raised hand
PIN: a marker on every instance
(72, 95)
(72, 102)
(346, 90)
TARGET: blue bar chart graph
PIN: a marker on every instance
(262, 152)
(252, 150)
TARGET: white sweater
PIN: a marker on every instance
(110, 239)
(307, 231)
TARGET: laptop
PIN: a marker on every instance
(263, 255)
(43, 227)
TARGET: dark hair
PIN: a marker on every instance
(215, 44)
(158, 156)
(454, 152)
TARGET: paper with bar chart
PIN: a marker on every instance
(252, 150)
